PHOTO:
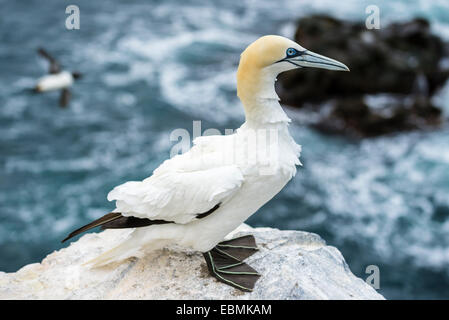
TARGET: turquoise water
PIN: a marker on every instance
(154, 66)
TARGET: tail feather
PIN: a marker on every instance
(121, 252)
(137, 243)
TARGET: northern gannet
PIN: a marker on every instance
(57, 79)
(195, 199)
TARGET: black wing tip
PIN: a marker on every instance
(77, 75)
(103, 220)
(115, 220)
(64, 98)
(205, 214)
(43, 52)
(71, 235)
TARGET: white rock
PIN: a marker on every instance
(293, 264)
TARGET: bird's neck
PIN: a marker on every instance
(265, 112)
(255, 88)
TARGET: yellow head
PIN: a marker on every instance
(267, 57)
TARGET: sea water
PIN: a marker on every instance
(151, 67)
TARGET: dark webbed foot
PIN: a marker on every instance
(225, 262)
(239, 248)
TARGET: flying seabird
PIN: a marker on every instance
(195, 199)
(57, 79)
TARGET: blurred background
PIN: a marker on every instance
(375, 181)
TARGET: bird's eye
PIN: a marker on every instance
(291, 52)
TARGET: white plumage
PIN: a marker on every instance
(196, 181)
(238, 172)
(56, 81)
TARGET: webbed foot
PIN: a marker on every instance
(225, 262)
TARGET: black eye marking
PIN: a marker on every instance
(291, 52)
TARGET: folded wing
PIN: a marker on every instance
(180, 189)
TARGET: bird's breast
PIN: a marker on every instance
(204, 234)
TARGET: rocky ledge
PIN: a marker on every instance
(395, 72)
(293, 264)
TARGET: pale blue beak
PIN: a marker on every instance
(314, 60)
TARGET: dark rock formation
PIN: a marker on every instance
(394, 72)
